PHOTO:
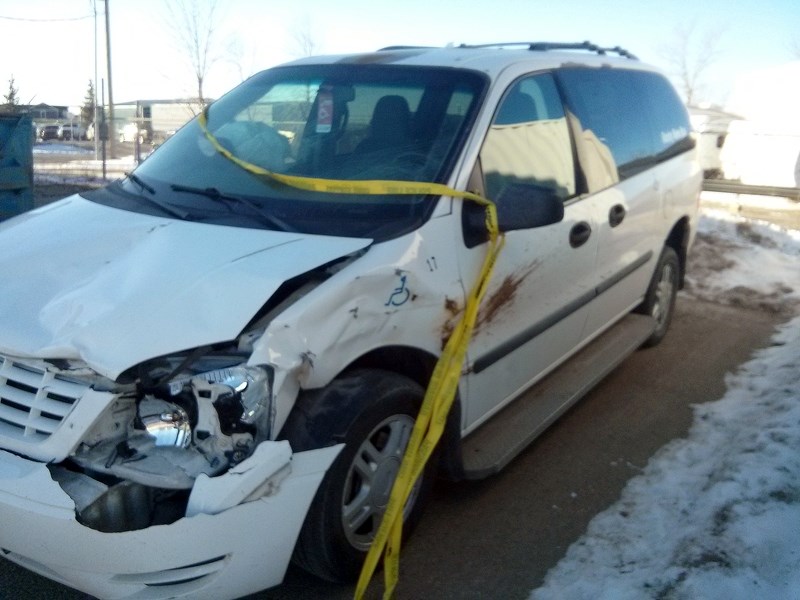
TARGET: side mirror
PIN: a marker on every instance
(527, 205)
(519, 206)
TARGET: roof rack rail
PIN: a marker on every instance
(544, 46)
(392, 48)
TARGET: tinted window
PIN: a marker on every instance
(528, 148)
(628, 120)
(669, 118)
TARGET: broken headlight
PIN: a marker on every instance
(184, 420)
(167, 423)
(179, 417)
(251, 386)
(210, 409)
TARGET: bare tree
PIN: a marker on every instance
(303, 37)
(194, 23)
(241, 57)
(690, 54)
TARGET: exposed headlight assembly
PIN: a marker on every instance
(191, 420)
(251, 385)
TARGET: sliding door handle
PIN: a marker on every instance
(616, 215)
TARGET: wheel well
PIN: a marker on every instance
(412, 363)
(418, 366)
(678, 240)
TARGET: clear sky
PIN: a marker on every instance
(53, 61)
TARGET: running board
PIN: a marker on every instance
(495, 443)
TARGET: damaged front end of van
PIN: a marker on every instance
(158, 332)
(137, 425)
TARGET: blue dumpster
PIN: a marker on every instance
(16, 165)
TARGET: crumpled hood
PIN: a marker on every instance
(114, 288)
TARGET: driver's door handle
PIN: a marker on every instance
(579, 234)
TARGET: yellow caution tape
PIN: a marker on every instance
(429, 425)
(367, 187)
(441, 392)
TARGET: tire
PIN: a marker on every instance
(659, 301)
(374, 415)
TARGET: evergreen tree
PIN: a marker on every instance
(12, 97)
(87, 110)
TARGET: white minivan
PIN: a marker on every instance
(212, 367)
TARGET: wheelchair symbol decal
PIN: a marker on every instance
(400, 295)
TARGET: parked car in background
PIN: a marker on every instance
(131, 132)
(214, 365)
(71, 131)
(48, 132)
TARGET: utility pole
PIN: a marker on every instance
(111, 132)
(95, 121)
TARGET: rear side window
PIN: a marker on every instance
(629, 120)
(669, 118)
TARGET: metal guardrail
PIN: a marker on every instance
(734, 187)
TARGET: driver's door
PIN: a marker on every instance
(537, 303)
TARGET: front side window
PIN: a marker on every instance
(528, 149)
(341, 122)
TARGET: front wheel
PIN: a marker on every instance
(659, 301)
(373, 413)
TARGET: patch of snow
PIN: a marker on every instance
(60, 148)
(742, 262)
(72, 171)
(717, 514)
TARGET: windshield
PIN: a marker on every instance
(340, 121)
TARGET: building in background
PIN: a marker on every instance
(151, 121)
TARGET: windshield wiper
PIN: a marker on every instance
(268, 219)
(141, 183)
(142, 199)
(209, 192)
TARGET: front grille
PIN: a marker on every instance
(33, 400)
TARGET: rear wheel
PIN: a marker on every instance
(659, 302)
(373, 413)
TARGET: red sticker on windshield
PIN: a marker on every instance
(324, 112)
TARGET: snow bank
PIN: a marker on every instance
(715, 515)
